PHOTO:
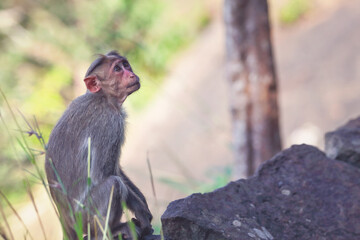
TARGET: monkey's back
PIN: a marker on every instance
(88, 116)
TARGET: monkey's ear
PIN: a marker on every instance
(92, 84)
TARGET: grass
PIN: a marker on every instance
(218, 178)
(147, 32)
(32, 154)
(31, 157)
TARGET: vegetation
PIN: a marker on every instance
(47, 45)
(293, 10)
(38, 174)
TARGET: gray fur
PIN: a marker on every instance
(92, 115)
(106, 130)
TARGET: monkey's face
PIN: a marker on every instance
(121, 78)
(115, 78)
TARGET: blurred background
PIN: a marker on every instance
(179, 120)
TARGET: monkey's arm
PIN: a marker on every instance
(132, 186)
(141, 211)
(137, 203)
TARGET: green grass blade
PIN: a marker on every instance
(108, 212)
(6, 221)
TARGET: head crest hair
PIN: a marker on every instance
(101, 58)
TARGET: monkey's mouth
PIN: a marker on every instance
(133, 87)
(137, 83)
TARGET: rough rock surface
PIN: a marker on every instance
(344, 143)
(298, 194)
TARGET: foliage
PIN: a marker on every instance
(293, 10)
(46, 46)
(31, 157)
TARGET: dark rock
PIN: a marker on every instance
(344, 143)
(298, 194)
(151, 237)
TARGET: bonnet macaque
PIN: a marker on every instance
(99, 116)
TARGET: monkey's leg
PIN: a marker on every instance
(122, 231)
(98, 200)
(64, 207)
(126, 232)
(69, 230)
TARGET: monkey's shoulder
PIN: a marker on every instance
(90, 111)
(94, 107)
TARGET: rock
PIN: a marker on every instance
(298, 194)
(151, 237)
(344, 143)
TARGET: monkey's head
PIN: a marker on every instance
(112, 75)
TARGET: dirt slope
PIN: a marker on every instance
(318, 64)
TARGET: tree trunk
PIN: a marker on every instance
(253, 84)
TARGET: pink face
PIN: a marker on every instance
(119, 81)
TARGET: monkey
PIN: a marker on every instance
(92, 130)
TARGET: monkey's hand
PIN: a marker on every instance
(144, 230)
(143, 217)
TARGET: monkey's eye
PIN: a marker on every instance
(126, 64)
(117, 68)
